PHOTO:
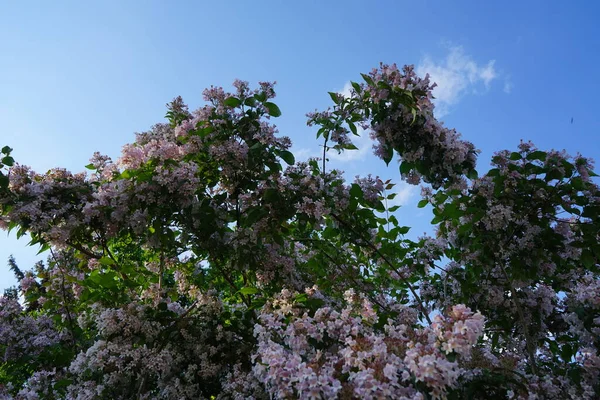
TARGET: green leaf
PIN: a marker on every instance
(6, 150)
(202, 132)
(515, 156)
(566, 352)
(403, 230)
(106, 261)
(587, 258)
(413, 111)
(274, 111)
(389, 154)
(436, 220)
(493, 172)
(249, 290)
(356, 191)
(271, 194)
(91, 166)
(4, 181)
(62, 384)
(44, 247)
(422, 203)
(356, 86)
(251, 101)
(353, 128)
(232, 102)
(368, 79)
(406, 167)
(253, 215)
(334, 97)
(472, 174)
(262, 96)
(8, 161)
(330, 232)
(537, 155)
(287, 156)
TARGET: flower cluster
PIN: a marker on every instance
(334, 354)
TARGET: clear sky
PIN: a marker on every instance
(78, 77)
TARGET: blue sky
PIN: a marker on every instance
(78, 77)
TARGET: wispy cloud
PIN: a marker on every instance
(346, 90)
(404, 194)
(456, 75)
(508, 85)
(304, 153)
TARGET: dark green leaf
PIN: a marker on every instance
(334, 97)
(406, 167)
(368, 79)
(232, 102)
(403, 230)
(422, 203)
(253, 215)
(251, 101)
(587, 258)
(515, 156)
(537, 155)
(274, 111)
(8, 161)
(4, 181)
(388, 154)
(287, 156)
(353, 128)
(356, 191)
(472, 174)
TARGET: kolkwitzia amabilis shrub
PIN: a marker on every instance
(206, 262)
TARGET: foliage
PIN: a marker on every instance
(206, 262)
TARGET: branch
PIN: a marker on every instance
(385, 259)
(83, 250)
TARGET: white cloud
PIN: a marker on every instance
(346, 90)
(303, 154)
(508, 85)
(363, 142)
(455, 76)
(404, 194)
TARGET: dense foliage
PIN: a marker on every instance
(206, 262)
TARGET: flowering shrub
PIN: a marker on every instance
(206, 262)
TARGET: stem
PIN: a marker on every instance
(83, 250)
(324, 155)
